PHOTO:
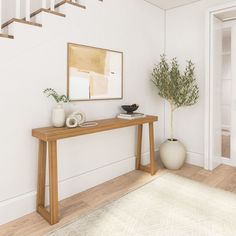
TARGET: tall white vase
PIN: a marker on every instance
(58, 116)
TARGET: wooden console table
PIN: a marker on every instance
(49, 136)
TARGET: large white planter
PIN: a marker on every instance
(173, 154)
(58, 116)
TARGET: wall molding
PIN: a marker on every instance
(196, 159)
(24, 204)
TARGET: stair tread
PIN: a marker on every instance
(20, 21)
(47, 11)
(6, 36)
(71, 3)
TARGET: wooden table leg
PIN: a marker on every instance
(53, 188)
(153, 167)
(42, 155)
(139, 147)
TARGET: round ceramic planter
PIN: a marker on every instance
(173, 154)
(58, 116)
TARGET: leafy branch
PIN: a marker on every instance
(49, 92)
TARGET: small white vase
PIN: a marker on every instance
(173, 154)
(58, 116)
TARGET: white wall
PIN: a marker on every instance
(36, 59)
(185, 39)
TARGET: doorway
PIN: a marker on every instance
(220, 113)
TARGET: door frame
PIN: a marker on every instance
(209, 164)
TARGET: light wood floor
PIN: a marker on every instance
(223, 177)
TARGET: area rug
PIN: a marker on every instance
(168, 206)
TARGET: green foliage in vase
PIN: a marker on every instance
(49, 92)
(180, 89)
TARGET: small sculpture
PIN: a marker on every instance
(75, 119)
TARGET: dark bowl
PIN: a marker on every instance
(130, 108)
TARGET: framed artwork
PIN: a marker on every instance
(94, 73)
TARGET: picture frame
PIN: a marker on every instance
(94, 73)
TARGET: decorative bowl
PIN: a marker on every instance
(130, 108)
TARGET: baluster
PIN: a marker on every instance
(44, 4)
(52, 5)
(18, 11)
(0, 16)
(27, 10)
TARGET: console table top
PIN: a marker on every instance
(52, 134)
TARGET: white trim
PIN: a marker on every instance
(27, 10)
(44, 4)
(196, 159)
(18, 9)
(1, 15)
(228, 161)
(52, 5)
(19, 206)
(208, 161)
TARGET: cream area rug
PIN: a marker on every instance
(168, 206)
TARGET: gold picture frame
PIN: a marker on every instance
(94, 73)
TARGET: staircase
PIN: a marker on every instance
(31, 18)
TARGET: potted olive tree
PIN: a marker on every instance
(180, 89)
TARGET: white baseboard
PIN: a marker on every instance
(196, 159)
(19, 206)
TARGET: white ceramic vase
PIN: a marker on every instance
(173, 154)
(58, 116)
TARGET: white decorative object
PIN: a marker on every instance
(173, 154)
(80, 116)
(71, 122)
(75, 119)
(58, 116)
(88, 124)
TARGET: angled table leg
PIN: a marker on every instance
(53, 188)
(42, 155)
(153, 167)
(52, 215)
(139, 147)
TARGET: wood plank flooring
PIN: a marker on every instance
(223, 177)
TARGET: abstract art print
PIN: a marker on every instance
(94, 73)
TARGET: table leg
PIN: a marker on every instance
(139, 147)
(42, 155)
(53, 188)
(153, 167)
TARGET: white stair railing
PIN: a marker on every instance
(0, 16)
(18, 10)
(44, 4)
(52, 5)
(27, 10)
